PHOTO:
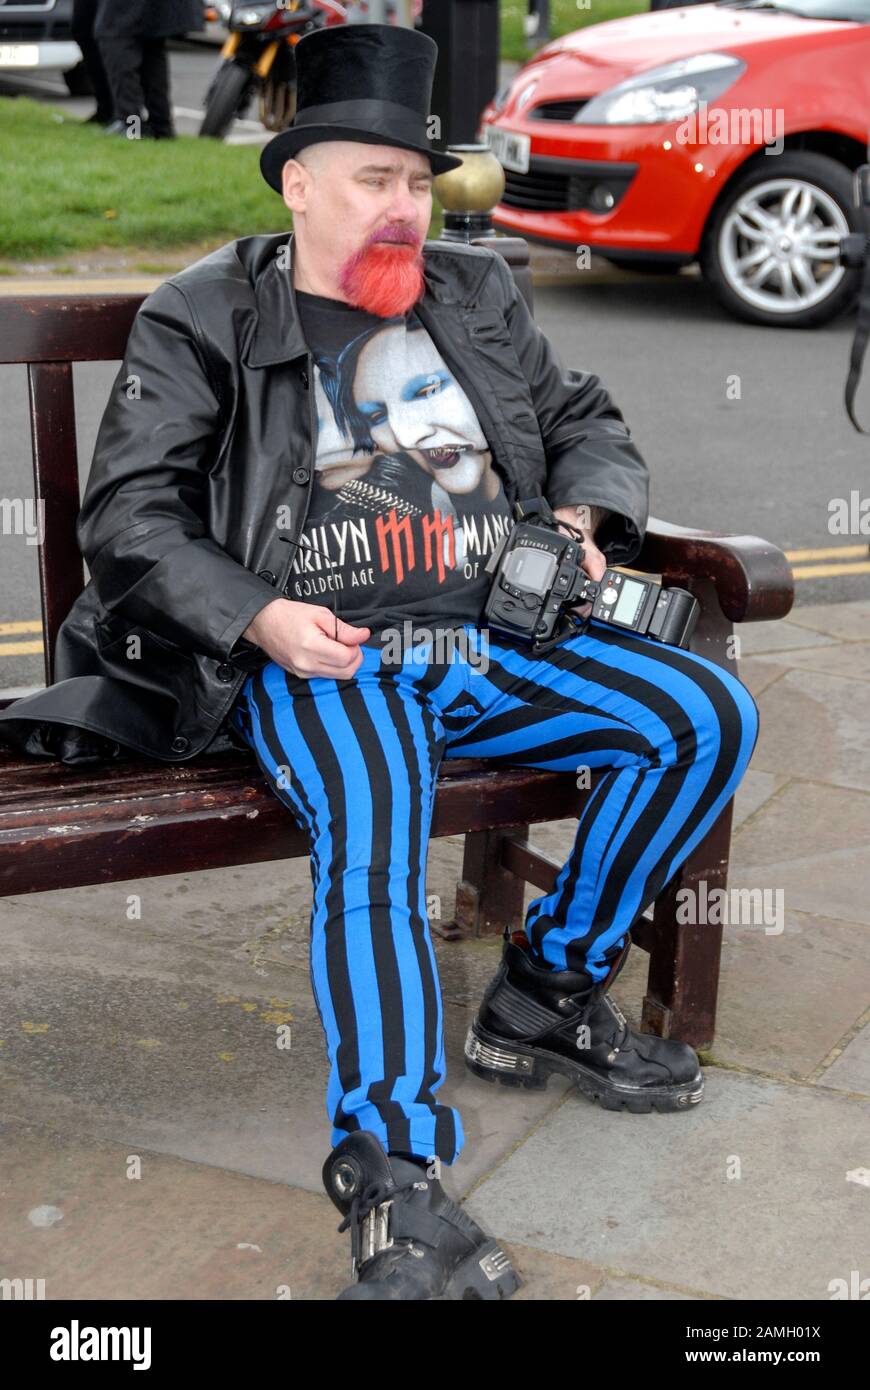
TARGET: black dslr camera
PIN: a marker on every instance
(537, 576)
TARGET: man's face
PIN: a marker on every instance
(360, 215)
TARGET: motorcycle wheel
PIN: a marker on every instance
(226, 99)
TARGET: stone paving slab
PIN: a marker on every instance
(812, 842)
(759, 672)
(180, 1230)
(786, 1001)
(815, 725)
(632, 1290)
(754, 791)
(649, 1195)
(779, 636)
(804, 818)
(851, 1070)
(848, 659)
(845, 622)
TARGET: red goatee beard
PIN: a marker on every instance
(385, 277)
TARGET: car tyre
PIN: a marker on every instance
(757, 228)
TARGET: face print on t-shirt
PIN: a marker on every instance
(390, 392)
(406, 504)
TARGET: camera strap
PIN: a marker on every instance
(859, 342)
(538, 505)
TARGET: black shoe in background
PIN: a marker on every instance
(534, 1022)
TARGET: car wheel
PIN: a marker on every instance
(771, 248)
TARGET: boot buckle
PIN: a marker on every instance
(374, 1235)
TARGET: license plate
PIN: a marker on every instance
(19, 55)
(510, 149)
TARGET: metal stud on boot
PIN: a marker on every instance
(409, 1241)
(534, 1022)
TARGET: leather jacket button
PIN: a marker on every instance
(180, 744)
(267, 575)
(225, 672)
(301, 475)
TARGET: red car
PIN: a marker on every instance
(726, 134)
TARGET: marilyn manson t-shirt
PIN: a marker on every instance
(406, 506)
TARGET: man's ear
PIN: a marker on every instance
(293, 185)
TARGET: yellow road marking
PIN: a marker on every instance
(19, 627)
(831, 552)
(20, 648)
(825, 571)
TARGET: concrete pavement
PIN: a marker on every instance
(157, 1144)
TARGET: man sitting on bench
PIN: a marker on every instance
(429, 413)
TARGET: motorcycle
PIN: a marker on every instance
(258, 58)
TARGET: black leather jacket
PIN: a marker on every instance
(207, 439)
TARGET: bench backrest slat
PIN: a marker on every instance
(56, 486)
(48, 328)
(48, 334)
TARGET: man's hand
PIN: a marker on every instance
(307, 639)
(586, 519)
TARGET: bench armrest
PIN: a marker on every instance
(752, 579)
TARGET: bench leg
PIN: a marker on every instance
(683, 977)
(489, 898)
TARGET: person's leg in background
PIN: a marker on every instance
(675, 733)
(122, 59)
(84, 14)
(155, 88)
(356, 761)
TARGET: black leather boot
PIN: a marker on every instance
(408, 1239)
(534, 1021)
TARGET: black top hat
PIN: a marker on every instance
(366, 82)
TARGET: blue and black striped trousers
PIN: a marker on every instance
(356, 761)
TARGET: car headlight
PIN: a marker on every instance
(664, 94)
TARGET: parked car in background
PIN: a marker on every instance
(725, 134)
(38, 37)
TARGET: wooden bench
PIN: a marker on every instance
(65, 827)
